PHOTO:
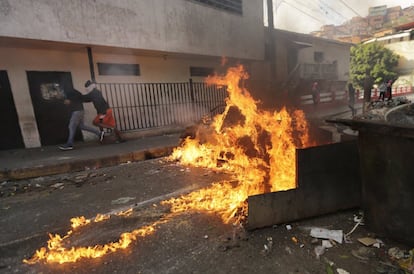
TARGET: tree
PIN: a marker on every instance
(372, 64)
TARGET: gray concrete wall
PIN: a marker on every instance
(178, 26)
(328, 180)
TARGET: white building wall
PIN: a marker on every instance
(405, 67)
(17, 61)
(331, 52)
(178, 26)
(153, 69)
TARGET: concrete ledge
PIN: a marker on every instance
(82, 164)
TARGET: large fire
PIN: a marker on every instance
(258, 147)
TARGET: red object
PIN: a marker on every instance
(105, 120)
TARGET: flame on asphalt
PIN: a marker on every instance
(258, 147)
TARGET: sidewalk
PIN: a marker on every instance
(48, 160)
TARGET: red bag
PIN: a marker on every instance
(106, 120)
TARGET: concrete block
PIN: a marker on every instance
(328, 179)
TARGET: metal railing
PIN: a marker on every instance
(342, 95)
(153, 105)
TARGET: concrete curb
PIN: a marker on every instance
(79, 165)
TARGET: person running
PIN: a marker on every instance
(104, 117)
(389, 90)
(382, 89)
(74, 101)
(315, 93)
(351, 99)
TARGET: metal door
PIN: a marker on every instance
(52, 116)
(11, 136)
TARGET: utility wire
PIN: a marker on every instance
(307, 14)
(321, 8)
(321, 5)
(325, 7)
(332, 9)
(278, 4)
(307, 4)
(343, 2)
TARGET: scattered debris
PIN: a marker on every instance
(329, 262)
(229, 243)
(56, 182)
(395, 253)
(267, 248)
(368, 241)
(403, 115)
(359, 220)
(319, 250)
(363, 253)
(314, 241)
(378, 244)
(288, 250)
(322, 233)
(327, 244)
(380, 110)
(329, 269)
(122, 200)
(80, 177)
(405, 260)
(342, 271)
(58, 185)
(386, 268)
(153, 171)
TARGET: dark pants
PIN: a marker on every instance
(389, 93)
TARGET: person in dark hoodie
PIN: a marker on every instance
(75, 103)
(104, 117)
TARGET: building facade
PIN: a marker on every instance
(303, 59)
(49, 46)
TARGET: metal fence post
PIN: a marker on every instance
(193, 108)
(191, 90)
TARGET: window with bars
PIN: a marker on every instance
(201, 71)
(318, 56)
(118, 69)
(233, 6)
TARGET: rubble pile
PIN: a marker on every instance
(397, 111)
(403, 115)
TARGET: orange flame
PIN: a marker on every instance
(258, 147)
(57, 253)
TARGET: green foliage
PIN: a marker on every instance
(372, 63)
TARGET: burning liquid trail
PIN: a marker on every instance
(258, 147)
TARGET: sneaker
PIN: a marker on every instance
(101, 136)
(120, 141)
(66, 147)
